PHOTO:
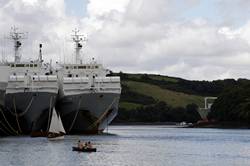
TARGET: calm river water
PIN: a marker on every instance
(134, 146)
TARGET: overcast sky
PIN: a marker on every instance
(191, 39)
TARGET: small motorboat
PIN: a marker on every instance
(84, 149)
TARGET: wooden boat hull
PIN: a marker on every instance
(56, 138)
(83, 150)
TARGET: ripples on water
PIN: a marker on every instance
(134, 146)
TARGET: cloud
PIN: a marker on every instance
(44, 20)
(136, 36)
(144, 39)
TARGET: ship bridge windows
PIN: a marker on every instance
(23, 65)
(20, 65)
(81, 67)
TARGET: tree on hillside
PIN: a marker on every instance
(232, 105)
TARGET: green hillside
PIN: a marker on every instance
(153, 98)
(171, 97)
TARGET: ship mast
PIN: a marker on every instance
(78, 46)
(40, 58)
(17, 36)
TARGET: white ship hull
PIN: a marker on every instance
(86, 108)
(31, 105)
(88, 113)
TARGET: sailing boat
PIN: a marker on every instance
(56, 130)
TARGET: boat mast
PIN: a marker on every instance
(78, 46)
(17, 36)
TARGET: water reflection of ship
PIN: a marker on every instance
(28, 92)
(88, 98)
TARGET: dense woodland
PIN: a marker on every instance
(233, 103)
(159, 112)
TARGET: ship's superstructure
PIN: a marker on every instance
(88, 98)
(29, 91)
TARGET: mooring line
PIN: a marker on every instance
(78, 108)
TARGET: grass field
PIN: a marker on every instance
(170, 97)
(129, 106)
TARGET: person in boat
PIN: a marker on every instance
(85, 145)
(89, 145)
(79, 144)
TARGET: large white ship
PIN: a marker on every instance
(28, 92)
(88, 98)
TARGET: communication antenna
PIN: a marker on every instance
(40, 53)
(78, 46)
(17, 37)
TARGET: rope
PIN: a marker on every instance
(73, 122)
(107, 120)
(102, 116)
(5, 128)
(5, 133)
(25, 111)
(49, 118)
(14, 103)
(14, 131)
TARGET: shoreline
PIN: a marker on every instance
(216, 125)
(221, 125)
(144, 123)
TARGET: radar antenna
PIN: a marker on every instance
(78, 46)
(17, 36)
